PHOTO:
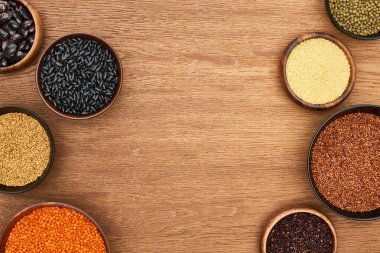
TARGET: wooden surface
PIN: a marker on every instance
(203, 146)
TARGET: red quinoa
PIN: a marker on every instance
(346, 162)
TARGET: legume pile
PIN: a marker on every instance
(300, 233)
(360, 17)
(318, 71)
(346, 162)
(24, 149)
(17, 32)
(55, 230)
(79, 76)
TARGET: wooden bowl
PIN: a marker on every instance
(340, 28)
(118, 86)
(32, 185)
(8, 229)
(346, 51)
(38, 40)
(287, 212)
(363, 216)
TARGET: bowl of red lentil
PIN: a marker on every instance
(53, 227)
(26, 150)
(344, 160)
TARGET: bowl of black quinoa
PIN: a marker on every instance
(21, 34)
(299, 230)
(79, 76)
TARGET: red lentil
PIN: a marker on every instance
(55, 230)
(346, 162)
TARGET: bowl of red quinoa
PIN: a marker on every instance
(344, 163)
(51, 227)
(20, 130)
(299, 229)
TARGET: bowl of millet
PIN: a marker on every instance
(318, 70)
(53, 227)
(26, 150)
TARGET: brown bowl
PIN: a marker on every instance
(346, 51)
(8, 229)
(287, 212)
(83, 36)
(38, 40)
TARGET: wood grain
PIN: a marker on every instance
(203, 145)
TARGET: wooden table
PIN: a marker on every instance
(203, 146)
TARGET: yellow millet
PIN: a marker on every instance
(318, 71)
(24, 149)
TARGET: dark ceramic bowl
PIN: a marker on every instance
(348, 33)
(350, 59)
(38, 40)
(372, 215)
(27, 211)
(118, 86)
(30, 186)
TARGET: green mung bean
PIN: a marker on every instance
(360, 17)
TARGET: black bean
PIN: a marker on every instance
(14, 25)
(4, 18)
(17, 16)
(16, 38)
(3, 35)
(24, 12)
(2, 8)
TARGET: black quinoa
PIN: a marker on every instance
(300, 233)
(17, 32)
(79, 76)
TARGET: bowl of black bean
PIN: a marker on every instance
(79, 76)
(21, 34)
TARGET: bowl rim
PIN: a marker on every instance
(293, 44)
(104, 44)
(274, 220)
(49, 167)
(37, 45)
(344, 31)
(26, 211)
(309, 156)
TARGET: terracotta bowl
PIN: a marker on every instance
(118, 86)
(340, 28)
(30, 186)
(38, 40)
(372, 215)
(287, 212)
(350, 58)
(27, 211)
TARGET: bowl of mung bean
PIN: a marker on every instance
(344, 160)
(319, 71)
(26, 150)
(79, 76)
(357, 19)
(53, 227)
